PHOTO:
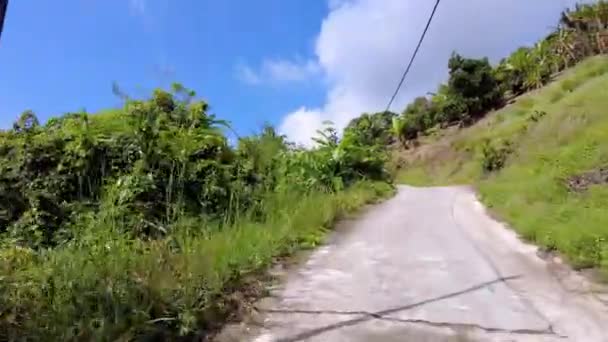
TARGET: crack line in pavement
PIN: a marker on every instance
(367, 316)
(463, 326)
(450, 325)
(497, 271)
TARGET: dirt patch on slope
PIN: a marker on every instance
(581, 182)
(427, 150)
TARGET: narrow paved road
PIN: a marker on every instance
(431, 265)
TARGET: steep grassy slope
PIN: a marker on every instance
(554, 133)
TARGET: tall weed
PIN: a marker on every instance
(107, 285)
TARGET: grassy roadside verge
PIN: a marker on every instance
(530, 191)
(107, 286)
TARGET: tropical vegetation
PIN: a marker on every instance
(143, 222)
(475, 87)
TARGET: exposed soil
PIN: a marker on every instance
(582, 182)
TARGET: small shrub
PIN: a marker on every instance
(536, 115)
(585, 250)
(493, 158)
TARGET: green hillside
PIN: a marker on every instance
(530, 133)
(541, 146)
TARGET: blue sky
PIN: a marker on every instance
(294, 63)
(59, 56)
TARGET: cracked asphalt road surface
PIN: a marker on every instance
(430, 265)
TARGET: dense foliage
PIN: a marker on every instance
(131, 195)
(474, 87)
(371, 129)
(143, 221)
(169, 159)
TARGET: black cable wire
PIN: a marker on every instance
(3, 5)
(409, 66)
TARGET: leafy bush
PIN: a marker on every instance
(371, 129)
(334, 164)
(407, 127)
(450, 109)
(143, 221)
(171, 159)
(471, 91)
(473, 81)
(494, 155)
(512, 72)
(536, 115)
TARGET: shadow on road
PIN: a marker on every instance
(367, 316)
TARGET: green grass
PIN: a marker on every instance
(416, 176)
(530, 191)
(106, 286)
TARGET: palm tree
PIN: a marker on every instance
(589, 23)
(516, 68)
(544, 62)
(601, 17)
(328, 136)
(564, 46)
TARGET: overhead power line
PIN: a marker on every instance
(3, 5)
(409, 65)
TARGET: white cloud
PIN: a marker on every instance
(284, 70)
(302, 124)
(247, 75)
(364, 45)
(273, 71)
